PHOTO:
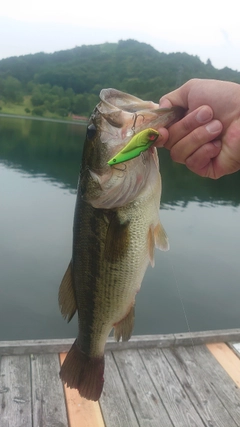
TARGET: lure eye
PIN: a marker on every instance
(91, 131)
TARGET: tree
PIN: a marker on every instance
(38, 111)
(12, 90)
(80, 104)
(37, 98)
(71, 80)
(57, 90)
(64, 102)
(69, 93)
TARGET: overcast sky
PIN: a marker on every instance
(207, 28)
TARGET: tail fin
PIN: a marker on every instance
(83, 373)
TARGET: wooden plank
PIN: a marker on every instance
(63, 346)
(203, 337)
(178, 405)
(227, 359)
(116, 408)
(48, 400)
(15, 392)
(141, 341)
(236, 348)
(81, 412)
(224, 387)
(8, 348)
(142, 394)
(196, 384)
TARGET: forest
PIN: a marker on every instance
(68, 82)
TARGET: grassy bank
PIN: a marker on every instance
(10, 108)
(20, 109)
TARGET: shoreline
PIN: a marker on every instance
(45, 119)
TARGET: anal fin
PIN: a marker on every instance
(124, 328)
(66, 296)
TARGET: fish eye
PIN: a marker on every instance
(91, 131)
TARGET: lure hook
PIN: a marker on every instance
(134, 121)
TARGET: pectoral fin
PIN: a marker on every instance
(157, 237)
(66, 296)
(151, 245)
(117, 239)
(125, 327)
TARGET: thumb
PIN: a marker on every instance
(164, 102)
(176, 97)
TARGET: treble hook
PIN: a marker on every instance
(135, 119)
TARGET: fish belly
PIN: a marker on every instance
(111, 251)
(108, 268)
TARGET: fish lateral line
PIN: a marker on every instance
(139, 143)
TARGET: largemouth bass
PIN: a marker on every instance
(116, 228)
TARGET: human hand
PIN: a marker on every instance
(207, 139)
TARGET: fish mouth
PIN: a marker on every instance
(118, 119)
(122, 110)
(124, 117)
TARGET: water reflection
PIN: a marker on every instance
(35, 247)
(54, 150)
(181, 186)
(39, 165)
(46, 148)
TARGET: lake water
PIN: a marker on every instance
(196, 285)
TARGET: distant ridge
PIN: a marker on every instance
(128, 65)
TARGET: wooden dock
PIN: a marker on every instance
(181, 380)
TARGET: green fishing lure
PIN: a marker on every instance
(140, 142)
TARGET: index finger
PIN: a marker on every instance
(188, 124)
(194, 140)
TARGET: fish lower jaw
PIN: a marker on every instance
(121, 195)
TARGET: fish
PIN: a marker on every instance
(116, 228)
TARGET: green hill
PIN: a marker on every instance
(70, 81)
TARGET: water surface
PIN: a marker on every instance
(195, 285)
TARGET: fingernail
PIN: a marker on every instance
(160, 141)
(214, 126)
(217, 143)
(204, 115)
(165, 103)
